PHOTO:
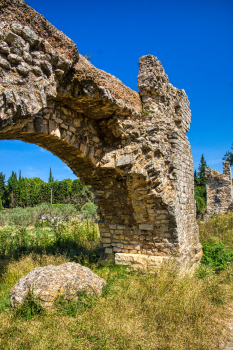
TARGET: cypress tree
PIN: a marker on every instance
(200, 185)
(13, 190)
(51, 178)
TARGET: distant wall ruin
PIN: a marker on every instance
(219, 189)
(131, 147)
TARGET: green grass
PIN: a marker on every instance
(76, 239)
(161, 310)
(136, 311)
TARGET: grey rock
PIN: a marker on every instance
(16, 49)
(64, 64)
(29, 35)
(26, 48)
(16, 28)
(36, 62)
(23, 70)
(124, 161)
(45, 46)
(59, 72)
(3, 25)
(36, 55)
(49, 282)
(4, 63)
(15, 59)
(46, 57)
(12, 37)
(54, 57)
(46, 67)
(4, 48)
(37, 70)
(27, 57)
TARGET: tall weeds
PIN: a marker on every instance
(217, 229)
(157, 311)
(164, 310)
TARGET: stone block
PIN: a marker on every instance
(116, 250)
(64, 126)
(72, 129)
(140, 260)
(113, 227)
(146, 227)
(105, 234)
(108, 251)
(124, 161)
(106, 240)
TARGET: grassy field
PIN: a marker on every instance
(160, 311)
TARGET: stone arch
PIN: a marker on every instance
(130, 147)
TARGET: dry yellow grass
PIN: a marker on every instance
(162, 311)
(217, 229)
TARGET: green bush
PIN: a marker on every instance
(89, 211)
(216, 256)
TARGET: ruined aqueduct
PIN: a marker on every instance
(131, 147)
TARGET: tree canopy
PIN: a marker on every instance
(229, 156)
(28, 192)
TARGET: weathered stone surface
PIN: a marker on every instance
(140, 261)
(4, 48)
(4, 63)
(219, 189)
(49, 282)
(124, 161)
(146, 227)
(15, 59)
(136, 156)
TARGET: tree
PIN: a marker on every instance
(23, 193)
(3, 193)
(89, 210)
(229, 156)
(13, 190)
(51, 178)
(201, 173)
(1, 208)
(200, 185)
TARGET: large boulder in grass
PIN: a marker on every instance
(48, 282)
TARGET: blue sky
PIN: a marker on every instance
(192, 39)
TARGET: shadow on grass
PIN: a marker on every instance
(79, 241)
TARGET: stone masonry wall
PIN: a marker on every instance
(130, 147)
(219, 189)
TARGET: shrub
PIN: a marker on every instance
(89, 210)
(216, 256)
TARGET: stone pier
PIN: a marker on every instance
(219, 189)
